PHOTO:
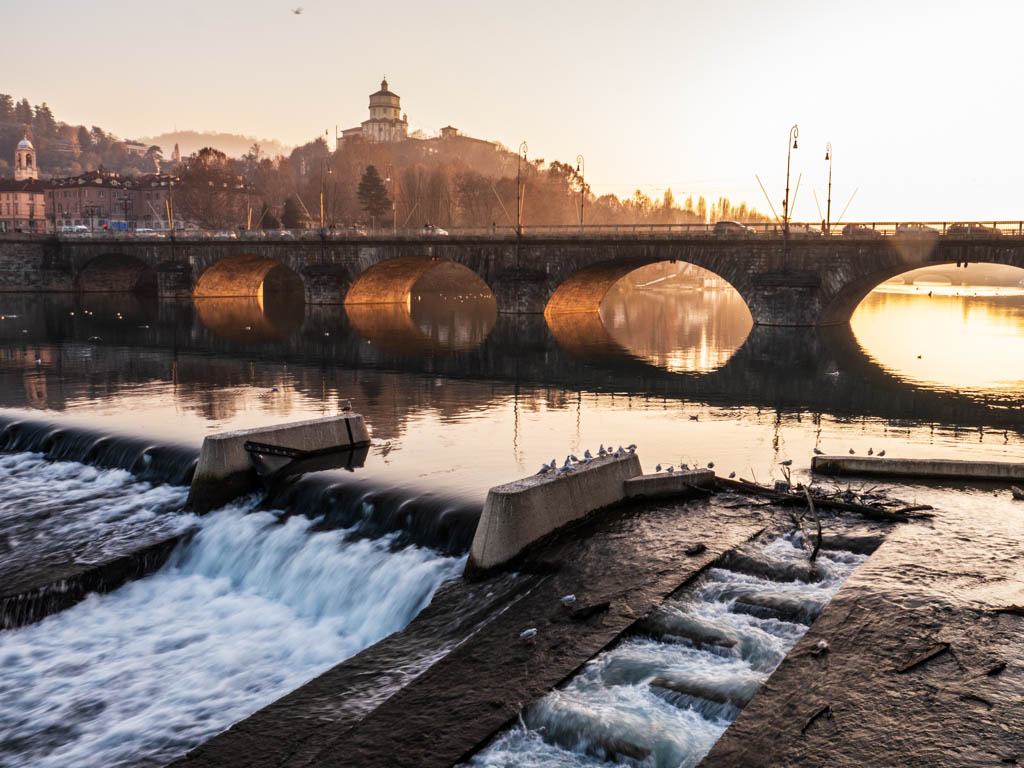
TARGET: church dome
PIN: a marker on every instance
(25, 144)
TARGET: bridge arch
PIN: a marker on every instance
(394, 280)
(840, 307)
(116, 273)
(247, 275)
(585, 290)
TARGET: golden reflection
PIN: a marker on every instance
(678, 317)
(427, 324)
(934, 336)
(250, 320)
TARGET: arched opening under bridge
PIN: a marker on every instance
(673, 315)
(949, 328)
(116, 273)
(248, 275)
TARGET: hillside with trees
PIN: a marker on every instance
(454, 181)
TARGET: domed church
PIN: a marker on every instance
(387, 124)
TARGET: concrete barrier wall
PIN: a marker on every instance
(225, 471)
(923, 468)
(668, 483)
(522, 512)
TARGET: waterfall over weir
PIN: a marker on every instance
(254, 600)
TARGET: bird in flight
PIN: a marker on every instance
(297, 11)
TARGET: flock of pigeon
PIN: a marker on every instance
(572, 462)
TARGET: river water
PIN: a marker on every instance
(111, 397)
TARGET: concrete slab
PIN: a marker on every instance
(668, 483)
(917, 468)
(225, 471)
(522, 512)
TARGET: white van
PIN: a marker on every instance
(74, 229)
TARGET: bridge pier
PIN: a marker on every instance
(326, 283)
(174, 280)
(521, 291)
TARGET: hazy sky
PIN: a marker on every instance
(921, 101)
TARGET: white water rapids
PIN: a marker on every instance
(249, 609)
(610, 711)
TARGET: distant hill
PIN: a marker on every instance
(232, 144)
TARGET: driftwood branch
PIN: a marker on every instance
(817, 520)
(920, 659)
(872, 513)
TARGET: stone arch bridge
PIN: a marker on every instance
(802, 282)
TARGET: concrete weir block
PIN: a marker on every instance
(668, 483)
(225, 471)
(522, 512)
(950, 469)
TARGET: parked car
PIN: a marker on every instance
(732, 229)
(803, 230)
(915, 230)
(225, 235)
(972, 230)
(148, 232)
(434, 231)
(860, 230)
(74, 229)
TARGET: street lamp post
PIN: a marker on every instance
(519, 193)
(828, 203)
(390, 179)
(794, 132)
(581, 170)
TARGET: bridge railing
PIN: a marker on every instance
(725, 230)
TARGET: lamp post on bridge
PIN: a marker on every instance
(581, 170)
(519, 188)
(794, 132)
(828, 203)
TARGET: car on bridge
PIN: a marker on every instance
(971, 229)
(803, 230)
(860, 230)
(913, 229)
(732, 229)
(434, 231)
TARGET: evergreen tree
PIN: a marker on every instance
(23, 113)
(84, 139)
(44, 125)
(373, 196)
(6, 108)
(293, 217)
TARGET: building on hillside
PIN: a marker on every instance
(386, 125)
(23, 199)
(136, 148)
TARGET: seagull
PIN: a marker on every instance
(298, 11)
(670, 470)
(528, 634)
(881, 454)
(851, 451)
(544, 469)
(871, 451)
(601, 451)
(273, 389)
(247, 328)
(567, 467)
(631, 447)
(568, 600)
(327, 333)
(587, 454)
(684, 467)
(658, 468)
(347, 406)
(818, 453)
(711, 465)
(786, 463)
(732, 475)
(695, 417)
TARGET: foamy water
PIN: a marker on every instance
(611, 710)
(248, 610)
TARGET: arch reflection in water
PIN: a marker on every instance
(946, 342)
(677, 317)
(429, 324)
(417, 307)
(251, 319)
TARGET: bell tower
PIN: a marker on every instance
(25, 166)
